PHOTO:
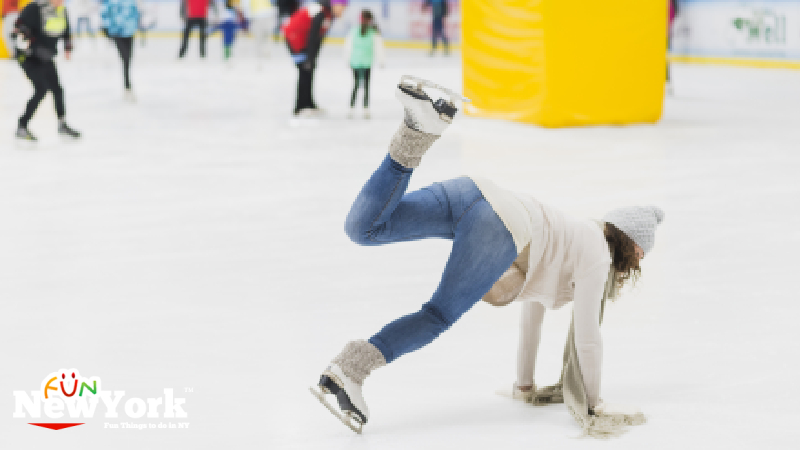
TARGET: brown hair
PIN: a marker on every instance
(623, 255)
(367, 22)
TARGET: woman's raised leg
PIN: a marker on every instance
(383, 212)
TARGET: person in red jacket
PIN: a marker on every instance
(304, 33)
(195, 13)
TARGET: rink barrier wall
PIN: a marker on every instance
(685, 59)
(754, 33)
(740, 62)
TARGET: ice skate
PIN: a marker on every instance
(23, 135)
(424, 120)
(422, 113)
(65, 131)
(352, 409)
(129, 96)
(344, 377)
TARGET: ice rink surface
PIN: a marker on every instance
(195, 241)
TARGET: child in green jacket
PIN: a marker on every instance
(363, 47)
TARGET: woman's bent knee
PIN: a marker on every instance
(358, 229)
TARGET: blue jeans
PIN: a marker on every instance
(455, 209)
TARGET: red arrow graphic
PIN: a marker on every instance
(56, 426)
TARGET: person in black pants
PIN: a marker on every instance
(36, 32)
(125, 50)
(304, 33)
(195, 12)
(120, 23)
(202, 24)
(439, 11)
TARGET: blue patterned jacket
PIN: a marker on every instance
(120, 17)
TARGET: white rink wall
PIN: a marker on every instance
(733, 29)
(767, 29)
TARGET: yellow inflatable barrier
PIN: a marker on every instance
(560, 63)
(4, 52)
(5, 49)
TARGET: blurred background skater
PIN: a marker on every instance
(83, 11)
(263, 17)
(286, 8)
(148, 19)
(195, 13)
(673, 12)
(362, 47)
(438, 13)
(231, 20)
(120, 19)
(304, 33)
(36, 32)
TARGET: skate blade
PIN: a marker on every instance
(345, 419)
(421, 82)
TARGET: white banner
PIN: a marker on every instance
(738, 29)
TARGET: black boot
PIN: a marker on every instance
(24, 135)
(65, 130)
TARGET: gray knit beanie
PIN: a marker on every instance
(638, 223)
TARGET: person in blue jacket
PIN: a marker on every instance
(120, 22)
(230, 21)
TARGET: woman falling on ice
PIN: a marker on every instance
(506, 246)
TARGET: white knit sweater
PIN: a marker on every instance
(568, 259)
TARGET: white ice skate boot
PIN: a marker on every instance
(421, 112)
(424, 121)
(353, 410)
(344, 378)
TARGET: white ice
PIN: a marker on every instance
(195, 240)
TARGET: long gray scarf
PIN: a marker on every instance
(570, 389)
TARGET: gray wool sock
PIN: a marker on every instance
(409, 145)
(358, 359)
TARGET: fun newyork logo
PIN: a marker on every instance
(66, 394)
